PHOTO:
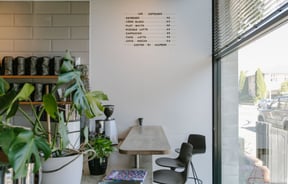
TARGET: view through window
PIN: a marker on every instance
(263, 109)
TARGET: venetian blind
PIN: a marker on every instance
(234, 19)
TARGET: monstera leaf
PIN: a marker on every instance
(84, 102)
(23, 147)
(94, 99)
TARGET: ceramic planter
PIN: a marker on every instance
(63, 170)
(98, 166)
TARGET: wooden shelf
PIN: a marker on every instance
(29, 76)
(44, 79)
(40, 103)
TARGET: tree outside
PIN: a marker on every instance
(260, 85)
(244, 95)
(284, 87)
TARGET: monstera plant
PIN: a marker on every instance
(24, 145)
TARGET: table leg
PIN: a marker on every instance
(137, 161)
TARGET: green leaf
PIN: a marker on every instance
(70, 89)
(50, 105)
(12, 110)
(65, 78)
(23, 148)
(25, 92)
(63, 132)
(94, 100)
(6, 137)
(102, 146)
(67, 63)
(80, 101)
(6, 101)
(68, 56)
(4, 86)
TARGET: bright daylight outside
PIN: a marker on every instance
(263, 108)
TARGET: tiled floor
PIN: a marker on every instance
(120, 161)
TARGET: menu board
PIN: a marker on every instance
(150, 29)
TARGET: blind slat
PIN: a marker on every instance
(235, 17)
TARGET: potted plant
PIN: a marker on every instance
(22, 145)
(102, 147)
(19, 146)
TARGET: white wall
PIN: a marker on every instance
(169, 86)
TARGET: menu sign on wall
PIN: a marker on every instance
(149, 29)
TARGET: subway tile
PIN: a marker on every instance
(33, 20)
(70, 20)
(14, 54)
(84, 56)
(72, 45)
(6, 20)
(32, 45)
(80, 33)
(47, 53)
(52, 7)
(79, 7)
(15, 33)
(15, 7)
(51, 33)
(6, 45)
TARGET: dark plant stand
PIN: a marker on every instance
(98, 166)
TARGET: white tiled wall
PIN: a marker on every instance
(44, 28)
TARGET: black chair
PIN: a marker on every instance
(166, 176)
(199, 146)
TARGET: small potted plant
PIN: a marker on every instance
(102, 147)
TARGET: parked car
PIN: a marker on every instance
(276, 113)
(264, 103)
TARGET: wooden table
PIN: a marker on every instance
(145, 140)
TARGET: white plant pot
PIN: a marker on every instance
(74, 134)
(63, 170)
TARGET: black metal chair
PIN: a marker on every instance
(166, 176)
(199, 147)
(199, 144)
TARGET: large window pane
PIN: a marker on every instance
(254, 111)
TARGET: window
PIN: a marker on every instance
(254, 122)
(250, 79)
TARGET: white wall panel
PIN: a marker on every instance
(169, 86)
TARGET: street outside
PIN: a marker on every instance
(247, 127)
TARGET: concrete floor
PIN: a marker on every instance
(119, 161)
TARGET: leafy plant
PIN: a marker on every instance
(23, 145)
(101, 145)
(20, 144)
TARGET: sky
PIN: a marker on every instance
(269, 53)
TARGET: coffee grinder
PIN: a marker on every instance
(108, 126)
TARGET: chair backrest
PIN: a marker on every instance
(185, 155)
(199, 143)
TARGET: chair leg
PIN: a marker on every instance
(195, 177)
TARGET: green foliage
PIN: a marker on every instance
(284, 87)
(242, 80)
(4, 86)
(102, 146)
(260, 85)
(244, 96)
(23, 145)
